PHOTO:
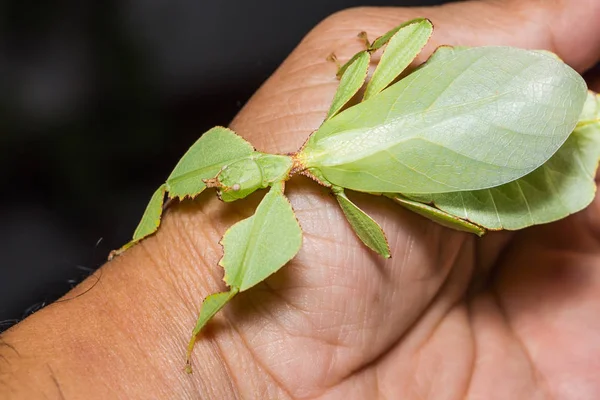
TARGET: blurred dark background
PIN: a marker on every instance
(99, 99)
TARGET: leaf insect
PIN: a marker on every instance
(474, 139)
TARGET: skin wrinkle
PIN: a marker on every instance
(185, 296)
(269, 313)
(471, 372)
(369, 363)
(148, 359)
(302, 85)
(5, 344)
(218, 350)
(409, 249)
(259, 363)
(55, 381)
(271, 119)
(166, 277)
(202, 387)
(536, 374)
(294, 90)
(470, 316)
(178, 289)
(266, 287)
(321, 340)
(448, 280)
(266, 311)
(214, 232)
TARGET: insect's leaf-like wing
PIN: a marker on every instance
(351, 81)
(401, 50)
(258, 246)
(441, 217)
(216, 148)
(562, 186)
(482, 118)
(364, 226)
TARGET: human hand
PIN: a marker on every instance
(449, 316)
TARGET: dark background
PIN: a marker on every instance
(99, 99)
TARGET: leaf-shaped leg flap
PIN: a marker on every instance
(149, 222)
(210, 306)
(363, 225)
(151, 218)
(562, 186)
(254, 249)
(401, 50)
(352, 79)
(215, 149)
(258, 246)
(441, 217)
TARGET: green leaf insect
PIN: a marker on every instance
(473, 139)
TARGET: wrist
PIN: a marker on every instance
(124, 331)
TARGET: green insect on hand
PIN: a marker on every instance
(473, 139)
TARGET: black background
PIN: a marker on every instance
(99, 99)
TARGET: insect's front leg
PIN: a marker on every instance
(403, 44)
(352, 76)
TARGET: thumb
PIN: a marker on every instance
(294, 100)
(568, 28)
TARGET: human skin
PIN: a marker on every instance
(449, 316)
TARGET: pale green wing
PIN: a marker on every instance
(351, 81)
(261, 244)
(363, 225)
(401, 50)
(562, 186)
(443, 218)
(479, 119)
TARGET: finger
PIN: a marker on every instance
(568, 28)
